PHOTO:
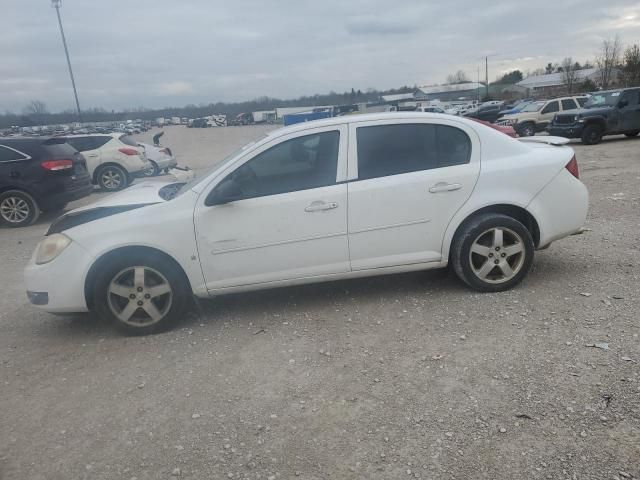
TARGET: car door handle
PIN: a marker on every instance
(319, 206)
(92, 155)
(445, 187)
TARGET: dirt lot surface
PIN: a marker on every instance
(405, 376)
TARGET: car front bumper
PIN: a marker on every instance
(58, 286)
(567, 131)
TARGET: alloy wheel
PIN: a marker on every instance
(14, 209)
(111, 179)
(139, 296)
(497, 255)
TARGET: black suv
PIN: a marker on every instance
(39, 174)
(610, 112)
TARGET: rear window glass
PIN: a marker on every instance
(568, 104)
(127, 140)
(57, 150)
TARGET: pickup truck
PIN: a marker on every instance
(610, 112)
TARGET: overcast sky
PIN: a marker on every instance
(157, 53)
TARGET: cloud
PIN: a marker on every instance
(158, 54)
(175, 88)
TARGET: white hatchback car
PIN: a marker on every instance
(112, 159)
(331, 199)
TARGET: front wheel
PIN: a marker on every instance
(528, 130)
(492, 252)
(112, 178)
(18, 209)
(632, 134)
(141, 293)
(592, 134)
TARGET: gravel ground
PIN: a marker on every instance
(405, 376)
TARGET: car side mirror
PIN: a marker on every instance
(225, 192)
(623, 103)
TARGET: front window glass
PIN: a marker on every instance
(603, 99)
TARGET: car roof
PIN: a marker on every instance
(369, 117)
(83, 135)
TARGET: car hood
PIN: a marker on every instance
(136, 196)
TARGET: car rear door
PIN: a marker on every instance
(407, 180)
(289, 220)
(16, 167)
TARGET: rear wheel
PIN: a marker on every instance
(592, 134)
(632, 134)
(18, 209)
(152, 171)
(112, 178)
(141, 293)
(492, 252)
(528, 129)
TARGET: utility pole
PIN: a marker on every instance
(486, 67)
(57, 4)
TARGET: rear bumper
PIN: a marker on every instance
(554, 223)
(567, 131)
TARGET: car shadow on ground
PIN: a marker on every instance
(272, 302)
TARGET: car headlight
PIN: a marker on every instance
(52, 246)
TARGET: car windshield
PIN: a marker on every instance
(533, 107)
(603, 99)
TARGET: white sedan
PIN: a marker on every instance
(332, 199)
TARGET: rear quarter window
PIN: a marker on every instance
(9, 155)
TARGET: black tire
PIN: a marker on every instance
(18, 209)
(106, 303)
(632, 134)
(527, 129)
(592, 134)
(113, 172)
(154, 171)
(465, 263)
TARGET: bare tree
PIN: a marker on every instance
(35, 107)
(569, 74)
(458, 77)
(608, 59)
(632, 66)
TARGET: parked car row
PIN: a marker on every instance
(43, 174)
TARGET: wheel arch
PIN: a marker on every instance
(92, 274)
(514, 211)
(600, 121)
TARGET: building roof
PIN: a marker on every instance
(398, 96)
(458, 87)
(554, 79)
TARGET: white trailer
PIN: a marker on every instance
(160, 121)
(175, 120)
(281, 112)
(265, 116)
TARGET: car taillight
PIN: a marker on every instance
(572, 166)
(55, 165)
(129, 151)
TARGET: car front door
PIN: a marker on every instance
(277, 214)
(407, 180)
(629, 113)
(547, 114)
